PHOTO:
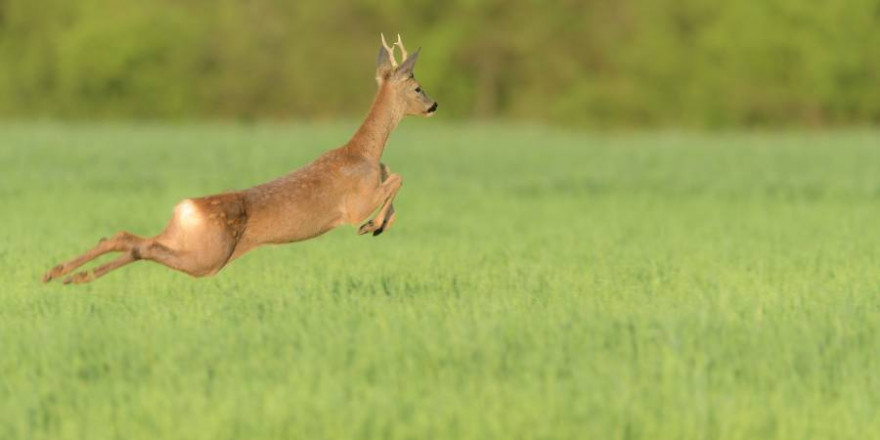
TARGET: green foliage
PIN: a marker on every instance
(537, 284)
(592, 63)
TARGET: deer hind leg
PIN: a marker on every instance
(385, 216)
(146, 250)
(87, 276)
(198, 240)
(121, 242)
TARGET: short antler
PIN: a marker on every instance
(403, 53)
(390, 50)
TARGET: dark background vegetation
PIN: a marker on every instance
(593, 64)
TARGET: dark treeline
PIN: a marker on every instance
(590, 63)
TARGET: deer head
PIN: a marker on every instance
(398, 81)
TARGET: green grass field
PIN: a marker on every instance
(537, 285)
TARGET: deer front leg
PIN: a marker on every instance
(389, 220)
(387, 190)
(390, 216)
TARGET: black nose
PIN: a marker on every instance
(433, 108)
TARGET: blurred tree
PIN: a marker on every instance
(591, 63)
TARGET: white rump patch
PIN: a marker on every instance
(187, 213)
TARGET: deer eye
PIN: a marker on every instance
(418, 90)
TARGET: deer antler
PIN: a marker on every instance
(403, 53)
(390, 50)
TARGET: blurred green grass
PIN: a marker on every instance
(538, 284)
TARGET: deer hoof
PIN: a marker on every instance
(79, 278)
(369, 226)
(52, 273)
(385, 224)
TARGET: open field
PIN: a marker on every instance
(537, 284)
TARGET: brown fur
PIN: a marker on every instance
(343, 186)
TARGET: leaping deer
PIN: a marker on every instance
(343, 186)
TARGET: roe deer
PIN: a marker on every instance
(342, 186)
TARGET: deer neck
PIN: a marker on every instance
(370, 138)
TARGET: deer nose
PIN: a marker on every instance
(433, 108)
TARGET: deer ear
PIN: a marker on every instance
(384, 67)
(406, 69)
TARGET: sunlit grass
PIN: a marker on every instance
(537, 284)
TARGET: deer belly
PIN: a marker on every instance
(287, 226)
